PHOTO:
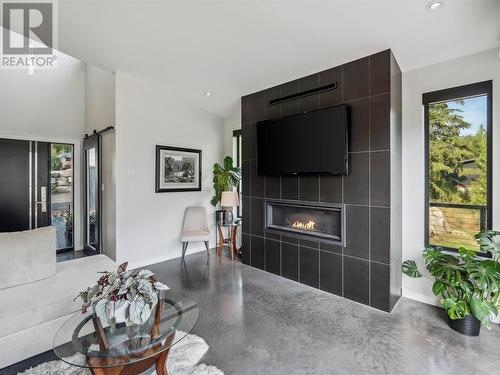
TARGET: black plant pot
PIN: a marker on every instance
(468, 326)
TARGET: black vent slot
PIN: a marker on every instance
(287, 98)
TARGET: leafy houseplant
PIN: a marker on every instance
(133, 292)
(68, 217)
(226, 177)
(469, 286)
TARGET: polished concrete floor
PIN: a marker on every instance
(259, 323)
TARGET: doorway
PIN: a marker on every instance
(92, 205)
(37, 188)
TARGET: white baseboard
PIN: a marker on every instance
(430, 300)
(150, 261)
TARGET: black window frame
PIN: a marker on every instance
(238, 135)
(465, 91)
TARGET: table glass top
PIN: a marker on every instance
(79, 343)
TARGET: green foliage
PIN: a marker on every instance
(466, 283)
(113, 289)
(487, 243)
(56, 151)
(448, 150)
(409, 267)
(225, 178)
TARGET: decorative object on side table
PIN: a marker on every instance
(469, 285)
(123, 296)
(177, 169)
(229, 199)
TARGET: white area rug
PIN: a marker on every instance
(182, 360)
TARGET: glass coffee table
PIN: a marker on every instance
(85, 341)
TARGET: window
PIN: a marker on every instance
(237, 159)
(458, 131)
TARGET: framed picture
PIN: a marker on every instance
(177, 169)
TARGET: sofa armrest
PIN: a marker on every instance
(27, 256)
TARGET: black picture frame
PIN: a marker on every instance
(161, 187)
(470, 90)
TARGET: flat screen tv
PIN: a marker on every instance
(314, 142)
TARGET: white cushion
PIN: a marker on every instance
(27, 256)
(28, 305)
(195, 219)
(199, 235)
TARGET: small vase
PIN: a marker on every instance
(468, 326)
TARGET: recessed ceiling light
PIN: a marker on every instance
(208, 93)
(434, 5)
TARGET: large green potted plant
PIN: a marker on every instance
(469, 285)
(226, 177)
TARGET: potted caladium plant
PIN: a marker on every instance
(469, 285)
(123, 296)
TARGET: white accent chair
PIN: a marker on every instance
(195, 228)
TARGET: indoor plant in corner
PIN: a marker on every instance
(469, 285)
(226, 177)
(123, 296)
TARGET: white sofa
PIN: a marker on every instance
(36, 293)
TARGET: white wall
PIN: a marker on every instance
(231, 123)
(100, 98)
(108, 202)
(100, 113)
(49, 103)
(469, 69)
(47, 106)
(148, 223)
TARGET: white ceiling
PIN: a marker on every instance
(235, 47)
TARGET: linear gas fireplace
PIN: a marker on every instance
(309, 220)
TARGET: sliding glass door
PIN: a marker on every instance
(92, 196)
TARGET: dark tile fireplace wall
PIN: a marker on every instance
(368, 268)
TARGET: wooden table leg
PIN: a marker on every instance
(221, 240)
(98, 366)
(161, 363)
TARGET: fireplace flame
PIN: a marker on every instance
(305, 226)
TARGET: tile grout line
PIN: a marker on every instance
(250, 215)
(323, 250)
(369, 185)
(368, 151)
(319, 243)
(281, 197)
(343, 202)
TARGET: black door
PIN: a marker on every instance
(24, 171)
(92, 178)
